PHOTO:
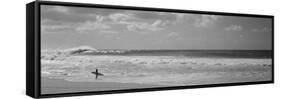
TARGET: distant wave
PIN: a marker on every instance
(81, 50)
(87, 50)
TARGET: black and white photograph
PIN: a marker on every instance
(88, 49)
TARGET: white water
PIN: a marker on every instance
(161, 70)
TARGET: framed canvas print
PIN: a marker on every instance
(87, 49)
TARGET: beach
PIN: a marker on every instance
(73, 73)
(53, 86)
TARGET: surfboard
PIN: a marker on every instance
(97, 73)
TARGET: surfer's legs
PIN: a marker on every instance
(97, 72)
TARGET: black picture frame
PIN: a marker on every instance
(33, 74)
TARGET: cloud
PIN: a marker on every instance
(49, 22)
(152, 15)
(169, 37)
(120, 17)
(47, 29)
(51, 26)
(63, 14)
(146, 21)
(144, 27)
(157, 23)
(87, 20)
(182, 17)
(264, 29)
(206, 20)
(60, 9)
(97, 22)
(233, 28)
(136, 24)
(109, 32)
(92, 26)
(173, 34)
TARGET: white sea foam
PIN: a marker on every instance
(167, 70)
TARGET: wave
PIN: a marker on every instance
(87, 50)
(60, 54)
(130, 68)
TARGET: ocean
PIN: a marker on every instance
(158, 67)
(188, 53)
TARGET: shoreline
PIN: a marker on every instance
(65, 74)
(53, 86)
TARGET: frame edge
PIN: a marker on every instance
(31, 72)
(33, 75)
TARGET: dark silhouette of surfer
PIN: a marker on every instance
(97, 73)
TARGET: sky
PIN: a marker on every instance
(68, 27)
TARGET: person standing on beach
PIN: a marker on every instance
(97, 73)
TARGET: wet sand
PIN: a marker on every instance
(53, 86)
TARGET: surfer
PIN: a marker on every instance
(97, 73)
